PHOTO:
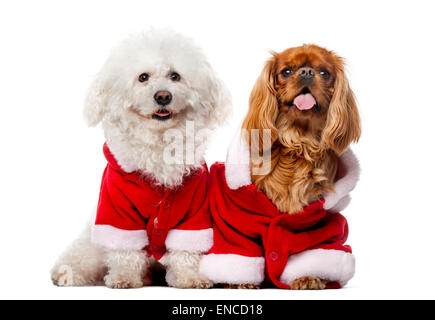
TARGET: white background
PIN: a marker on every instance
(51, 163)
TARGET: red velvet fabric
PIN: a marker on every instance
(129, 201)
(247, 223)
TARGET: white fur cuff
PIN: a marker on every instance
(330, 265)
(232, 269)
(118, 239)
(190, 240)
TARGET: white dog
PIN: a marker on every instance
(153, 83)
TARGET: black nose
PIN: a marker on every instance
(163, 98)
(306, 74)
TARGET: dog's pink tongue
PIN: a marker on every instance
(304, 101)
(163, 113)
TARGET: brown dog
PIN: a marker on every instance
(304, 98)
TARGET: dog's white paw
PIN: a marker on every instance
(64, 276)
(193, 284)
(185, 281)
(202, 284)
(122, 281)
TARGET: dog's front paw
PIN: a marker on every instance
(202, 284)
(187, 281)
(308, 283)
(64, 276)
(191, 283)
(122, 281)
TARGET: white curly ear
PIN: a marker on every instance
(95, 103)
(217, 96)
(222, 102)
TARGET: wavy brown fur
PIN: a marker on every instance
(301, 170)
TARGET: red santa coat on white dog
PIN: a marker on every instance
(253, 239)
(134, 214)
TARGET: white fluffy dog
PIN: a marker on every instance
(151, 83)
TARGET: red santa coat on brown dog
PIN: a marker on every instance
(253, 239)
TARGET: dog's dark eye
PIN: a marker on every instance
(325, 74)
(175, 76)
(144, 77)
(286, 72)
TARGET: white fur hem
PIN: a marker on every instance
(330, 265)
(118, 239)
(190, 240)
(232, 269)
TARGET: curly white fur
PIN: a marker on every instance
(81, 264)
(183, 270)
(124, 106)
(116, 98)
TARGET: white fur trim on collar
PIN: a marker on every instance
(330, 265)
(340, 205)
(232, 268)
(190, 240)
(238, 173)
(348, 176)
(237, 166)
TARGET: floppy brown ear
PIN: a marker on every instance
(343, 123)
(263, 104)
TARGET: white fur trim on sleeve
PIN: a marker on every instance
(118, 239)
(330, 265)
(348, 163)
(237, 165)
(232, 269)
(190, 240)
